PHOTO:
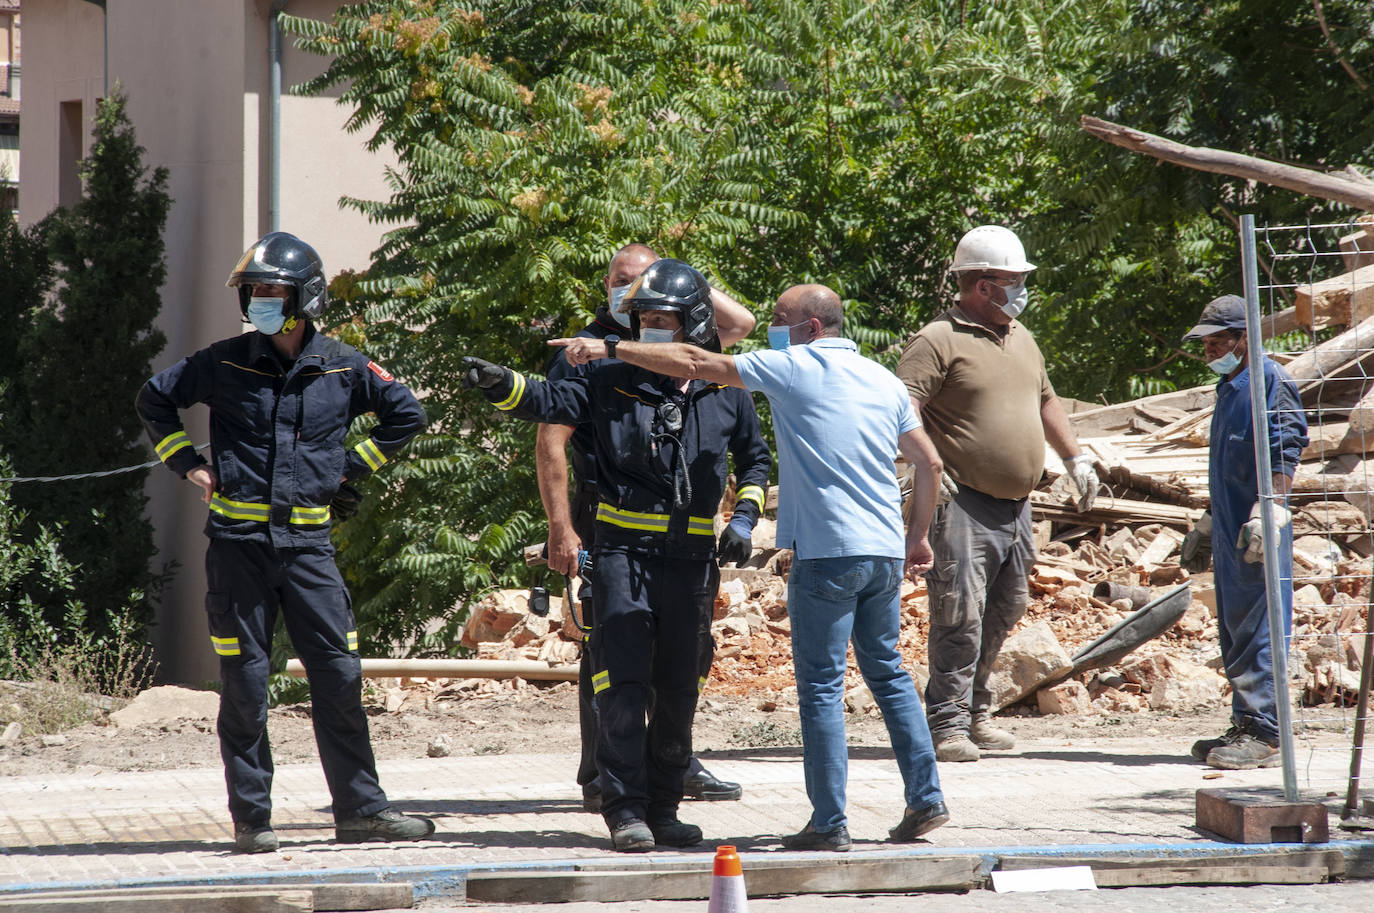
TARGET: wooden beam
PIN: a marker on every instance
(1342, 300)
(1347, 187)
(228, 900)
(328, 897)
(832, 876)
(455, 668)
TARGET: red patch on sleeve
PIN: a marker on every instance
(380, 371)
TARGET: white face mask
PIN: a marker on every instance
(265, 314)
(616, 297)
(1017, 299)
(653, 334)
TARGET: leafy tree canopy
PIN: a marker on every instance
(772, 142)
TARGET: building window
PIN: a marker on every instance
(69, 154)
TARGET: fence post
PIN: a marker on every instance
(1278, 647)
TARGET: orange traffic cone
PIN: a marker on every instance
(727, 884)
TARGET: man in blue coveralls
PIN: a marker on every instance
(1236, 543)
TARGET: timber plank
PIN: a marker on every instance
(925, 873)
(256, 900)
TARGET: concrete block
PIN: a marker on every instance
(1260, 816)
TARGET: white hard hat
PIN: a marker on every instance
(990, 247)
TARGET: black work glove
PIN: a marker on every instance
(346, 501)
(737, 539)
(1195, 555)
(483, 375)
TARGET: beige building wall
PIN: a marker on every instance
(196, 76)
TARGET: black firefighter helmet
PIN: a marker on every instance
(672, 285)
(282, 258)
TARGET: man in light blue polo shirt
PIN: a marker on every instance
(838, 418)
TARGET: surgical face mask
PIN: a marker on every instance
(780, 337)
(617, 296)
(653, 334)
(1226, 363)
(266, 314)
(1017, 299)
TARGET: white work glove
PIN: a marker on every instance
(1251, 538)
(1084, 479)
(948, 489)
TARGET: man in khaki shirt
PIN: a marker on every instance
(979, 381)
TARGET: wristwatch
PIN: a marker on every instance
(611, 340)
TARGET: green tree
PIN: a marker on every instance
(773, 142)
(83, 356)
(25, 276)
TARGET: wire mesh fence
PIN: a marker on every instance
(1314, 288)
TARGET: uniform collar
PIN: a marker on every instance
(605, 324)
(834, 342)
(958, 315)
(260, 347)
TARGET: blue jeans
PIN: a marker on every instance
(829, 601)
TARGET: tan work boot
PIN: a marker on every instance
(988, 737)
(956, 747)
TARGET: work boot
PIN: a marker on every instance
(918, 821)
(706, 787)
(632, 835)
(808, 838)
(387, 824)
(591, 797)
(988, 737)
(1203, 747)
(672, 832)
(254, 838)
(956, 746)
(1245, 753)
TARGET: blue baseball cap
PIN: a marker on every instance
(1224, 313)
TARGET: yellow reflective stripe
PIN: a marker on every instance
(372, 454)
(239, 510)
(751, 493)
(629, 519)
(309, 516)
(225, 646)
(701, 684)
(653, 523)
(600, 682)
(171, 444)
(517, 390)
(352, 638)
(701, 526)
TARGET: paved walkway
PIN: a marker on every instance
(497, 811)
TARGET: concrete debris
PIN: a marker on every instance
(165, 704)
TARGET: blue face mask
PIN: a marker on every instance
(266, 315)
(654, 334)
(617, 296)
(1225, 364)
(780, 337)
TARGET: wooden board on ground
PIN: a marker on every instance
(922, 873)
(225, 900)
(1193, 874)
(343, 897)
(1312, 866)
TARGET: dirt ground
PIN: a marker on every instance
(521, 718)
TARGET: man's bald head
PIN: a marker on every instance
(803, 302)
(633, 254)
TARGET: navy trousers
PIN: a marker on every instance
(653, 617)
(249, 583)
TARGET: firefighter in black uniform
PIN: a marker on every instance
(281, 400)
(572, 526)
(661, 448)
